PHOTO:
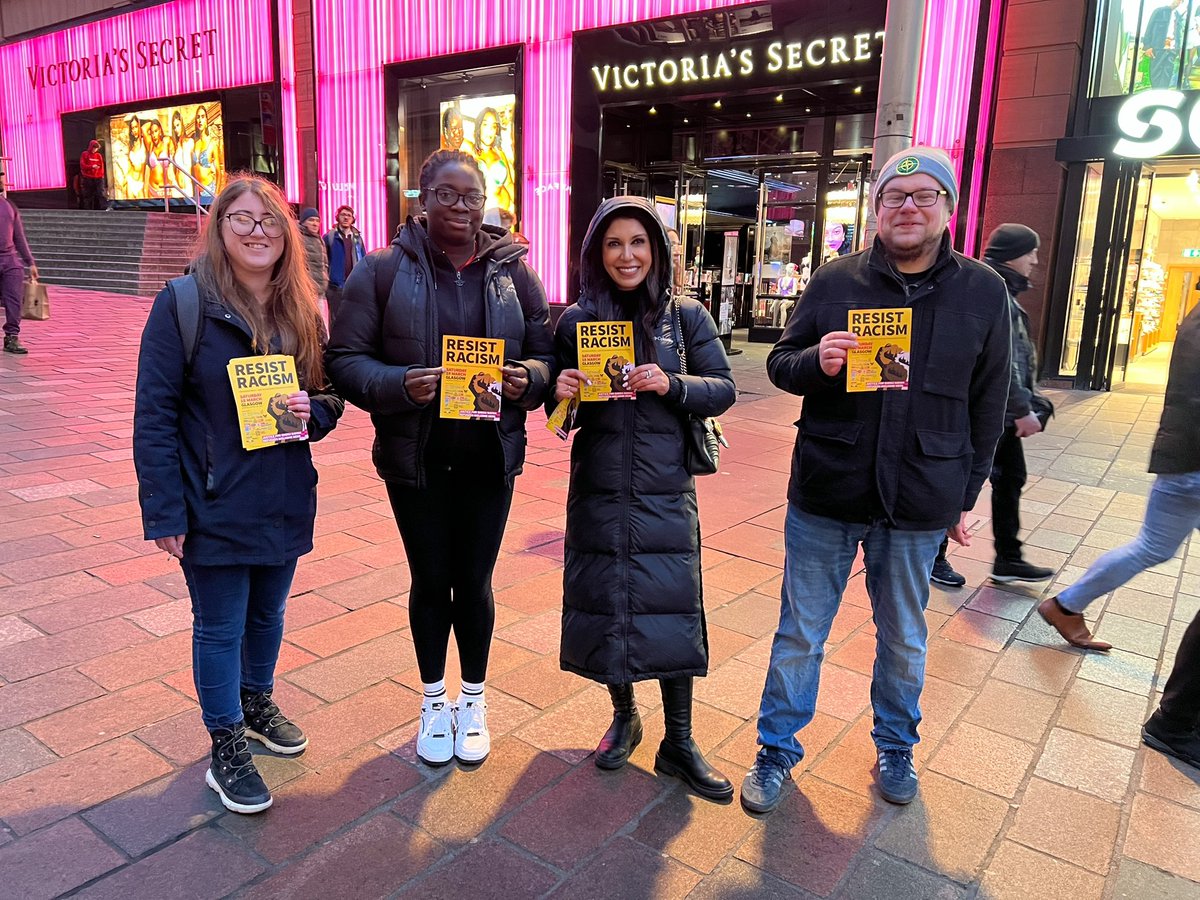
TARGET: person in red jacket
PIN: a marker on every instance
(91, 170)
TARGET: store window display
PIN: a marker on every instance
(1147, 44)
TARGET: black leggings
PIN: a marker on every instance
(452, 530)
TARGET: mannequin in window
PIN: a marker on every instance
(788, 285)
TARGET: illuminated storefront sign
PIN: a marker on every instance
(1153, 123)
(170, 50)
(776, 57)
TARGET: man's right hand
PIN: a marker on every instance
(1027, 425)
(567, 384)
(832, 350)
(422, 384)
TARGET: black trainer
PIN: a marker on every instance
(943, 573)
(266, 724)
(232, 773)
(1006, 570)
(897, 775)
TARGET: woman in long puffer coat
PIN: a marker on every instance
(632, 595)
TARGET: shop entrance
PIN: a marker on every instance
(751, 235)
(1135, 272)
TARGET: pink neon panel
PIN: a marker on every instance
(31, 129)
(286, 126)
(356, 38)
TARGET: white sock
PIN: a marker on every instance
(435, 692)
(471, 692)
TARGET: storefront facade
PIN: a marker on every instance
(396, 80)
(177, 94)
(1128, 270)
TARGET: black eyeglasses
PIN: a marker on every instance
(449, 197)
(243, 225)
(924, 197)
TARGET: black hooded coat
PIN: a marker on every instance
(632, 595)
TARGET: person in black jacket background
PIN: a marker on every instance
(632, 594)
(890, 470)
(450, 482)
(237, 520)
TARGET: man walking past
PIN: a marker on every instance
(91, 171)
(1012, 251)
(345, 245)
(14, 258)
(891, 469)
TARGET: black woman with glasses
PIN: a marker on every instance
(450, 481)
(236, 519)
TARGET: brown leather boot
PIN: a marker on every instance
(1070, 625)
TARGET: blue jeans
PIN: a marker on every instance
(820, 553)
(1172, 513)
(237, 630)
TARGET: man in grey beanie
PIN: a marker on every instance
(892, 469)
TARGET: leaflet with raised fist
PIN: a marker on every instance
(261, 385)
(605, 358)
(880, 361)
(473, 383)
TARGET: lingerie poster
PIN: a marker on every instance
(175, 151)
(484, 127)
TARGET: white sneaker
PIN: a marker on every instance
(435, 740)
(472, 743)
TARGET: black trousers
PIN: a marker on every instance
(452, 529)
(1180, 704)
(94, 194)
(1008, 478)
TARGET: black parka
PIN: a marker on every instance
(912, 459)
(1177, 444)
(386, 325)
(632, 598)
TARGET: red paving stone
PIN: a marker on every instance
(102, 752)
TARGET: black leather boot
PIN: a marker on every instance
(625, 732)
(232, 773)
(678, 754)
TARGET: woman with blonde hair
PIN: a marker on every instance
(237, 520)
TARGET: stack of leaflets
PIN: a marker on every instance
(261, 385)
(880, 362)
(473, 383)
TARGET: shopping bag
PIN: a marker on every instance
(36, 302)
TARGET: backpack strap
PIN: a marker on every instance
(385, 273)
(188, 315)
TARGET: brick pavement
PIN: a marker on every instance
(1033, 781)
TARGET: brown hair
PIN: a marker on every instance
(290, 314)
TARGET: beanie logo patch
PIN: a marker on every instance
(908, 165)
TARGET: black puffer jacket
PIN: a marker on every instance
(385, 326)
(1177, 444)
(1023, 384)
(913, 459)
(632, 601)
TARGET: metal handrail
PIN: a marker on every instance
(197, 195)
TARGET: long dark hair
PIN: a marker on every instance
(649, 295)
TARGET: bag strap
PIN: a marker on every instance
(681, 343)
(188, 314)
(386, 271)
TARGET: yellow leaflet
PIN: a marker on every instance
(562, 420)
(881, 360)
(605, 358)
(261, 386)
(473, 383)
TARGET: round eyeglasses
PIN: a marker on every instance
(450, 197)
(243, 225)
(924, 198)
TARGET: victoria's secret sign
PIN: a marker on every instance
(778, 59)
(145, 54)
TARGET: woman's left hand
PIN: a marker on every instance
(516, 382)
(648, 377)
(299, 405)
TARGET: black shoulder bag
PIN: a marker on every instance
(701, 434)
